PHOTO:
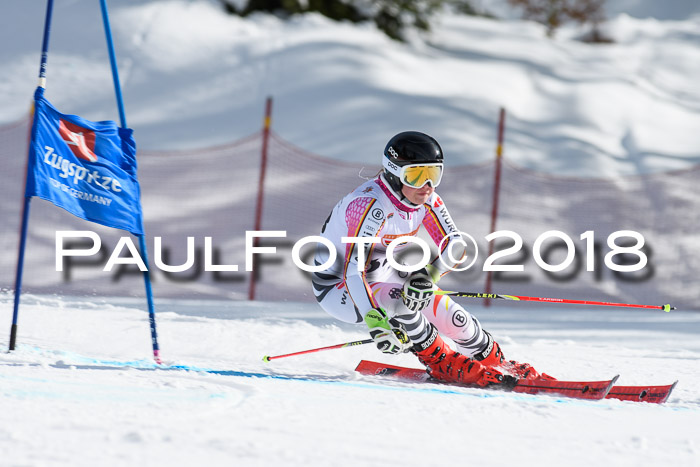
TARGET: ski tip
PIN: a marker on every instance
(668, 394)
(610, 386)
(266, 358)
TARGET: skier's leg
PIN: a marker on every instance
(335, 300)
(453, 321)
(441, 362)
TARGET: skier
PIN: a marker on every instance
(401, 309)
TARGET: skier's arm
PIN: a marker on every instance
(444, 233)
(364, 219)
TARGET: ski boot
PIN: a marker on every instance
(444, 364)
(492, 357)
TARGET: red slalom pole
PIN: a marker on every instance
(261, 187)
(267, 358)
(666, 308)
(496, 190)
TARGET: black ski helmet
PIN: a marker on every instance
(410, 147)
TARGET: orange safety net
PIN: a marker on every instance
(211, 192)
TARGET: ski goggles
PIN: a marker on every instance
(416, 175)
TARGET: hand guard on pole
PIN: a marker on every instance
(419, 288)
(390, 339)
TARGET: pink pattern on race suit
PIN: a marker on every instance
(433, 227)
(355, 214)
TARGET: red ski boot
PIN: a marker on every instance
(446, 365)
(524, 371)
(493, 357)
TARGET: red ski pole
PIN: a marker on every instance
(666, 308)
(267, 358)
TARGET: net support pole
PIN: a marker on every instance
(142, 237)
(496, 191)
(25, 208)
(261, 190)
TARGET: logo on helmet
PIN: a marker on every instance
(393, 152)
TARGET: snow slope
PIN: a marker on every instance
(193, 76)
(81, 391)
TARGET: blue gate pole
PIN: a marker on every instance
(27, 199)
(142, 237)
(20, 270)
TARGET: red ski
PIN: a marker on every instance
(651, 394)
(592, 390)
(576, 389)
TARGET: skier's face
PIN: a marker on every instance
(417, 195)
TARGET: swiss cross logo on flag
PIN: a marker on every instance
(80, 140)
(438, 202)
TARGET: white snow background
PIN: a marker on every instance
(81, 388)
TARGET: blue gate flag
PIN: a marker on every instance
(87, 168)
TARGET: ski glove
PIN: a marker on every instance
(389, 338)
(419, 288)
